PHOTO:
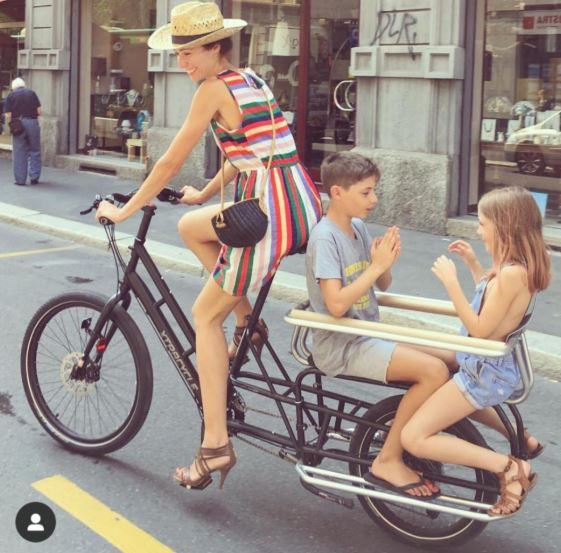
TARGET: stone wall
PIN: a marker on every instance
(413, 189)
(409, 69)
(50, 137)
(193, 170)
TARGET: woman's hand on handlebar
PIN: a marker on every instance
(109, 211)
(191, 196)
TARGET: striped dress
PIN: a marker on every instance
(292, 201)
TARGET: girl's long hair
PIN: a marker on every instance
(518, 232)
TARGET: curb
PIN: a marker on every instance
(289, 287)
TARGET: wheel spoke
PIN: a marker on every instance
(95, 403)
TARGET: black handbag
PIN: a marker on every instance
(244, 223)
(16, 126)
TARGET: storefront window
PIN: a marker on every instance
(270, 45)
(12, 37)
(520, 127)
(122, 90)
(332, 93)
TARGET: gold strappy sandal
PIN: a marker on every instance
(203, 470)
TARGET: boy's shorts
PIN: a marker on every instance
(368, 358)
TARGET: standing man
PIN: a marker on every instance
(22, 102)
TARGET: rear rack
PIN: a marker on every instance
(515, 342)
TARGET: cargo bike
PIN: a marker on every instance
(87, 375)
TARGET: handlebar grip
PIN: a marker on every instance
(169, 195)
(176, 194)
(105, 221)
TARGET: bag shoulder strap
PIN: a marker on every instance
(273, 145)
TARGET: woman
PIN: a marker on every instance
(240, 108)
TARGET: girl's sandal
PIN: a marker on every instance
(511, 502)
(203, 470)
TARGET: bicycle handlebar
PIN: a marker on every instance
(168, 195)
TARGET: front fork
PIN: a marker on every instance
(89, 369)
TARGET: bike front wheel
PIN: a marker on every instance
(93, 409)
(414, 525)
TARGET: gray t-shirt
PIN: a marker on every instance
(333, 254)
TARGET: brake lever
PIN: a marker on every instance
(96, 202)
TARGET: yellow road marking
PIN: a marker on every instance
(45, 250)
(111, 526)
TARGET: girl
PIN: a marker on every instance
(510, 226)
(240, 107)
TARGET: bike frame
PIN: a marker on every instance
(309, 400)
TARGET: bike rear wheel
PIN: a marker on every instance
(92, 411)
(415, 525)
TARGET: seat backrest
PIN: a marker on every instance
(517, 340)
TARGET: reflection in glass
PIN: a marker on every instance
(521, 121)
(270, 45)
(12, 38)
(332, 93)
(122, 99)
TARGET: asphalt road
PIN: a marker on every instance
(262, 508)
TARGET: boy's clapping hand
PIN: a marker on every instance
(386, 249)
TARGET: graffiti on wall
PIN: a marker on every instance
(396, 28)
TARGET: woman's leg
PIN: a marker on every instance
(209, 311)
(196, 231)
(427, 374)
(445, 407)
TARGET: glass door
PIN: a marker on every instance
(116, 81)
(303, 50)
(331, 94)
(270, 45)
(12, 37)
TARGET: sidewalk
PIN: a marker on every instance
(53, 207)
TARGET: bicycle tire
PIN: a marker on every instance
(390, 516)
(93, 418)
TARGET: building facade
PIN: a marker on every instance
(450, 97)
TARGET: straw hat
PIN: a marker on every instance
(194, 24)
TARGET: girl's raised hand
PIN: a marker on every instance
(445, 270)
(464, 250)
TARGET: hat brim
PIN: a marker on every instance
(161, 39)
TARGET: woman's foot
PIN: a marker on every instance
(396, 473)
(516, 481)
(258, 338)
(208, 460)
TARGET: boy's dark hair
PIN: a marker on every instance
(225, 44)
(345, 169)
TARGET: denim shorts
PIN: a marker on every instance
(487, 381)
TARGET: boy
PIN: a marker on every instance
(343, 264)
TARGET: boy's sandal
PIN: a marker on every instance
(511, 502)
(400, 490)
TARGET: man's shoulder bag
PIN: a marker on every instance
(16, 126)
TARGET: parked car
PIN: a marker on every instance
(536, 147)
